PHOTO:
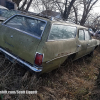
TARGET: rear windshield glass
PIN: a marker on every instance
(27, 24)
(62, 32)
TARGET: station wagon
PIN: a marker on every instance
(42, 44)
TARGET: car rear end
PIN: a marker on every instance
(21, 38)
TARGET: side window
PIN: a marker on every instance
(87, 36)
(81, 35)
(55, 32)
(62, 32)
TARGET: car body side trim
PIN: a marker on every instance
(61, 57)
(33, 68)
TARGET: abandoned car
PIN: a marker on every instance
(42, 44)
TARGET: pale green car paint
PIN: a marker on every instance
(55, 52)
(21, 45)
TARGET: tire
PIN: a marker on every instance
(68, 60)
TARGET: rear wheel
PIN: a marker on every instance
(91, 54)
(68, 60)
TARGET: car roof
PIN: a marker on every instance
(69, 23)
(48, 19)
(2, 7)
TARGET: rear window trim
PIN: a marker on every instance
(4, 24)
(61, 39)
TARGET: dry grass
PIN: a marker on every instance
(76, 81)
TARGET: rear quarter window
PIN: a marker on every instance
(27, 24)
(87, 35)
(62, 32)
(81, 35)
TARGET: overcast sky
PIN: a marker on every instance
(96, 7)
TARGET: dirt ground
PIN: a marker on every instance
(79, 80)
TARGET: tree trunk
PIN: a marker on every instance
(17, 2)
(67, 11)
(28, 5)
(82, 22)
(75, 11)
(23, 5)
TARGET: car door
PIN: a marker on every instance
(81, 44)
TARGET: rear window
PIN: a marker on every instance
(27, 24)
(62, 32)
(87, 35)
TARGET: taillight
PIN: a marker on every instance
(38, 59)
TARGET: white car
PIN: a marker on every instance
(2, 7)
(2, 10)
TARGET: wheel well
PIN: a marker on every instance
(72, 56)
(95, 47)
(69, 59)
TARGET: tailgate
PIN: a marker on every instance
(18, 41)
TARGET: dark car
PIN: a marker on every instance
(97, 34)
(91, 32)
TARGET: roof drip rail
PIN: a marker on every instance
(69, 22)
(31, 13)
(41, 15)
(54, 19)
(45, 16)
(37, 14)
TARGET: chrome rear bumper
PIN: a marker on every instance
(33, 68)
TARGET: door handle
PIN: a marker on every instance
(79, 45)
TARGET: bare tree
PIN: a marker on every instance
(23, 5)
(96, 21)
(88, 5)
(17, 2)
(76, 14)
(67, 9)
(28, 5)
